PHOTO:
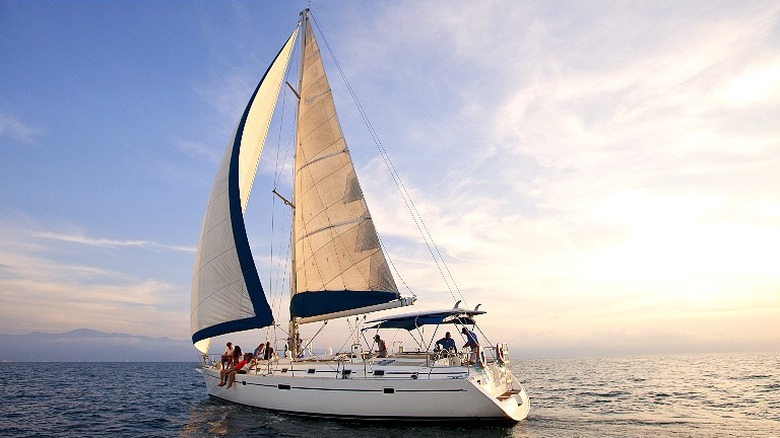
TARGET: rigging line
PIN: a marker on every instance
(414, 212)
(352, 332)
(397, 272)
(279, 265)
(275, 298)
(279, 283)
(421, 226)
(277, 171)
(282, 270)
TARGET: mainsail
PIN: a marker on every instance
(339, 263)
(227, 295)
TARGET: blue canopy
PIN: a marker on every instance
(411, 321)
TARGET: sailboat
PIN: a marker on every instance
(338, 270)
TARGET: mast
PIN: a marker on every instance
(293, 338)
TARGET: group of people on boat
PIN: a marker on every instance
(234, 361)
(447, 343)
(264, 352)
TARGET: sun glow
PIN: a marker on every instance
(753, 86)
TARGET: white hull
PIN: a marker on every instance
(378, 392)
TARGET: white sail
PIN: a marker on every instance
(339, 262)
(226, 292)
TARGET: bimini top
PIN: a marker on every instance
(411, 321)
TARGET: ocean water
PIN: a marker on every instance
(735, 395)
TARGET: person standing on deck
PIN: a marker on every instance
(471, 342)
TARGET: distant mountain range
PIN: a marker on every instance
(85, 345)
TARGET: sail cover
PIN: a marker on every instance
(339, 262)
(226, 292)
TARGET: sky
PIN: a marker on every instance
(602, 177)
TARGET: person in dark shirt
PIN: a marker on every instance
(268, 354)
(447, 343)
(471, 342)
(259, 351)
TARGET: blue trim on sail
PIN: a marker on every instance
(263, 315)
(307, 304)
(225, 328)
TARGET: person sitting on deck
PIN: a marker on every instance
(257, 355)
(259, 351)
(224, 372)
(471, 342)
(381, 348)
(230, 375)
(227, 356)
(447, 343)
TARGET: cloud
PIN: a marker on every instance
(624, 181)
(759, 83)
(594, 175)
(198, 150)
(12, 127)
(50, 287)
(109, 243)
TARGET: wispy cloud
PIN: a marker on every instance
(46, 287)
(16, 129)
(199, 150)
(110, 243)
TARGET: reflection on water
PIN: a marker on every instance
(218, 418)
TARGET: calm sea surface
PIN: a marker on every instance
(664, 396)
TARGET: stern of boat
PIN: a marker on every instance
(497, 382)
